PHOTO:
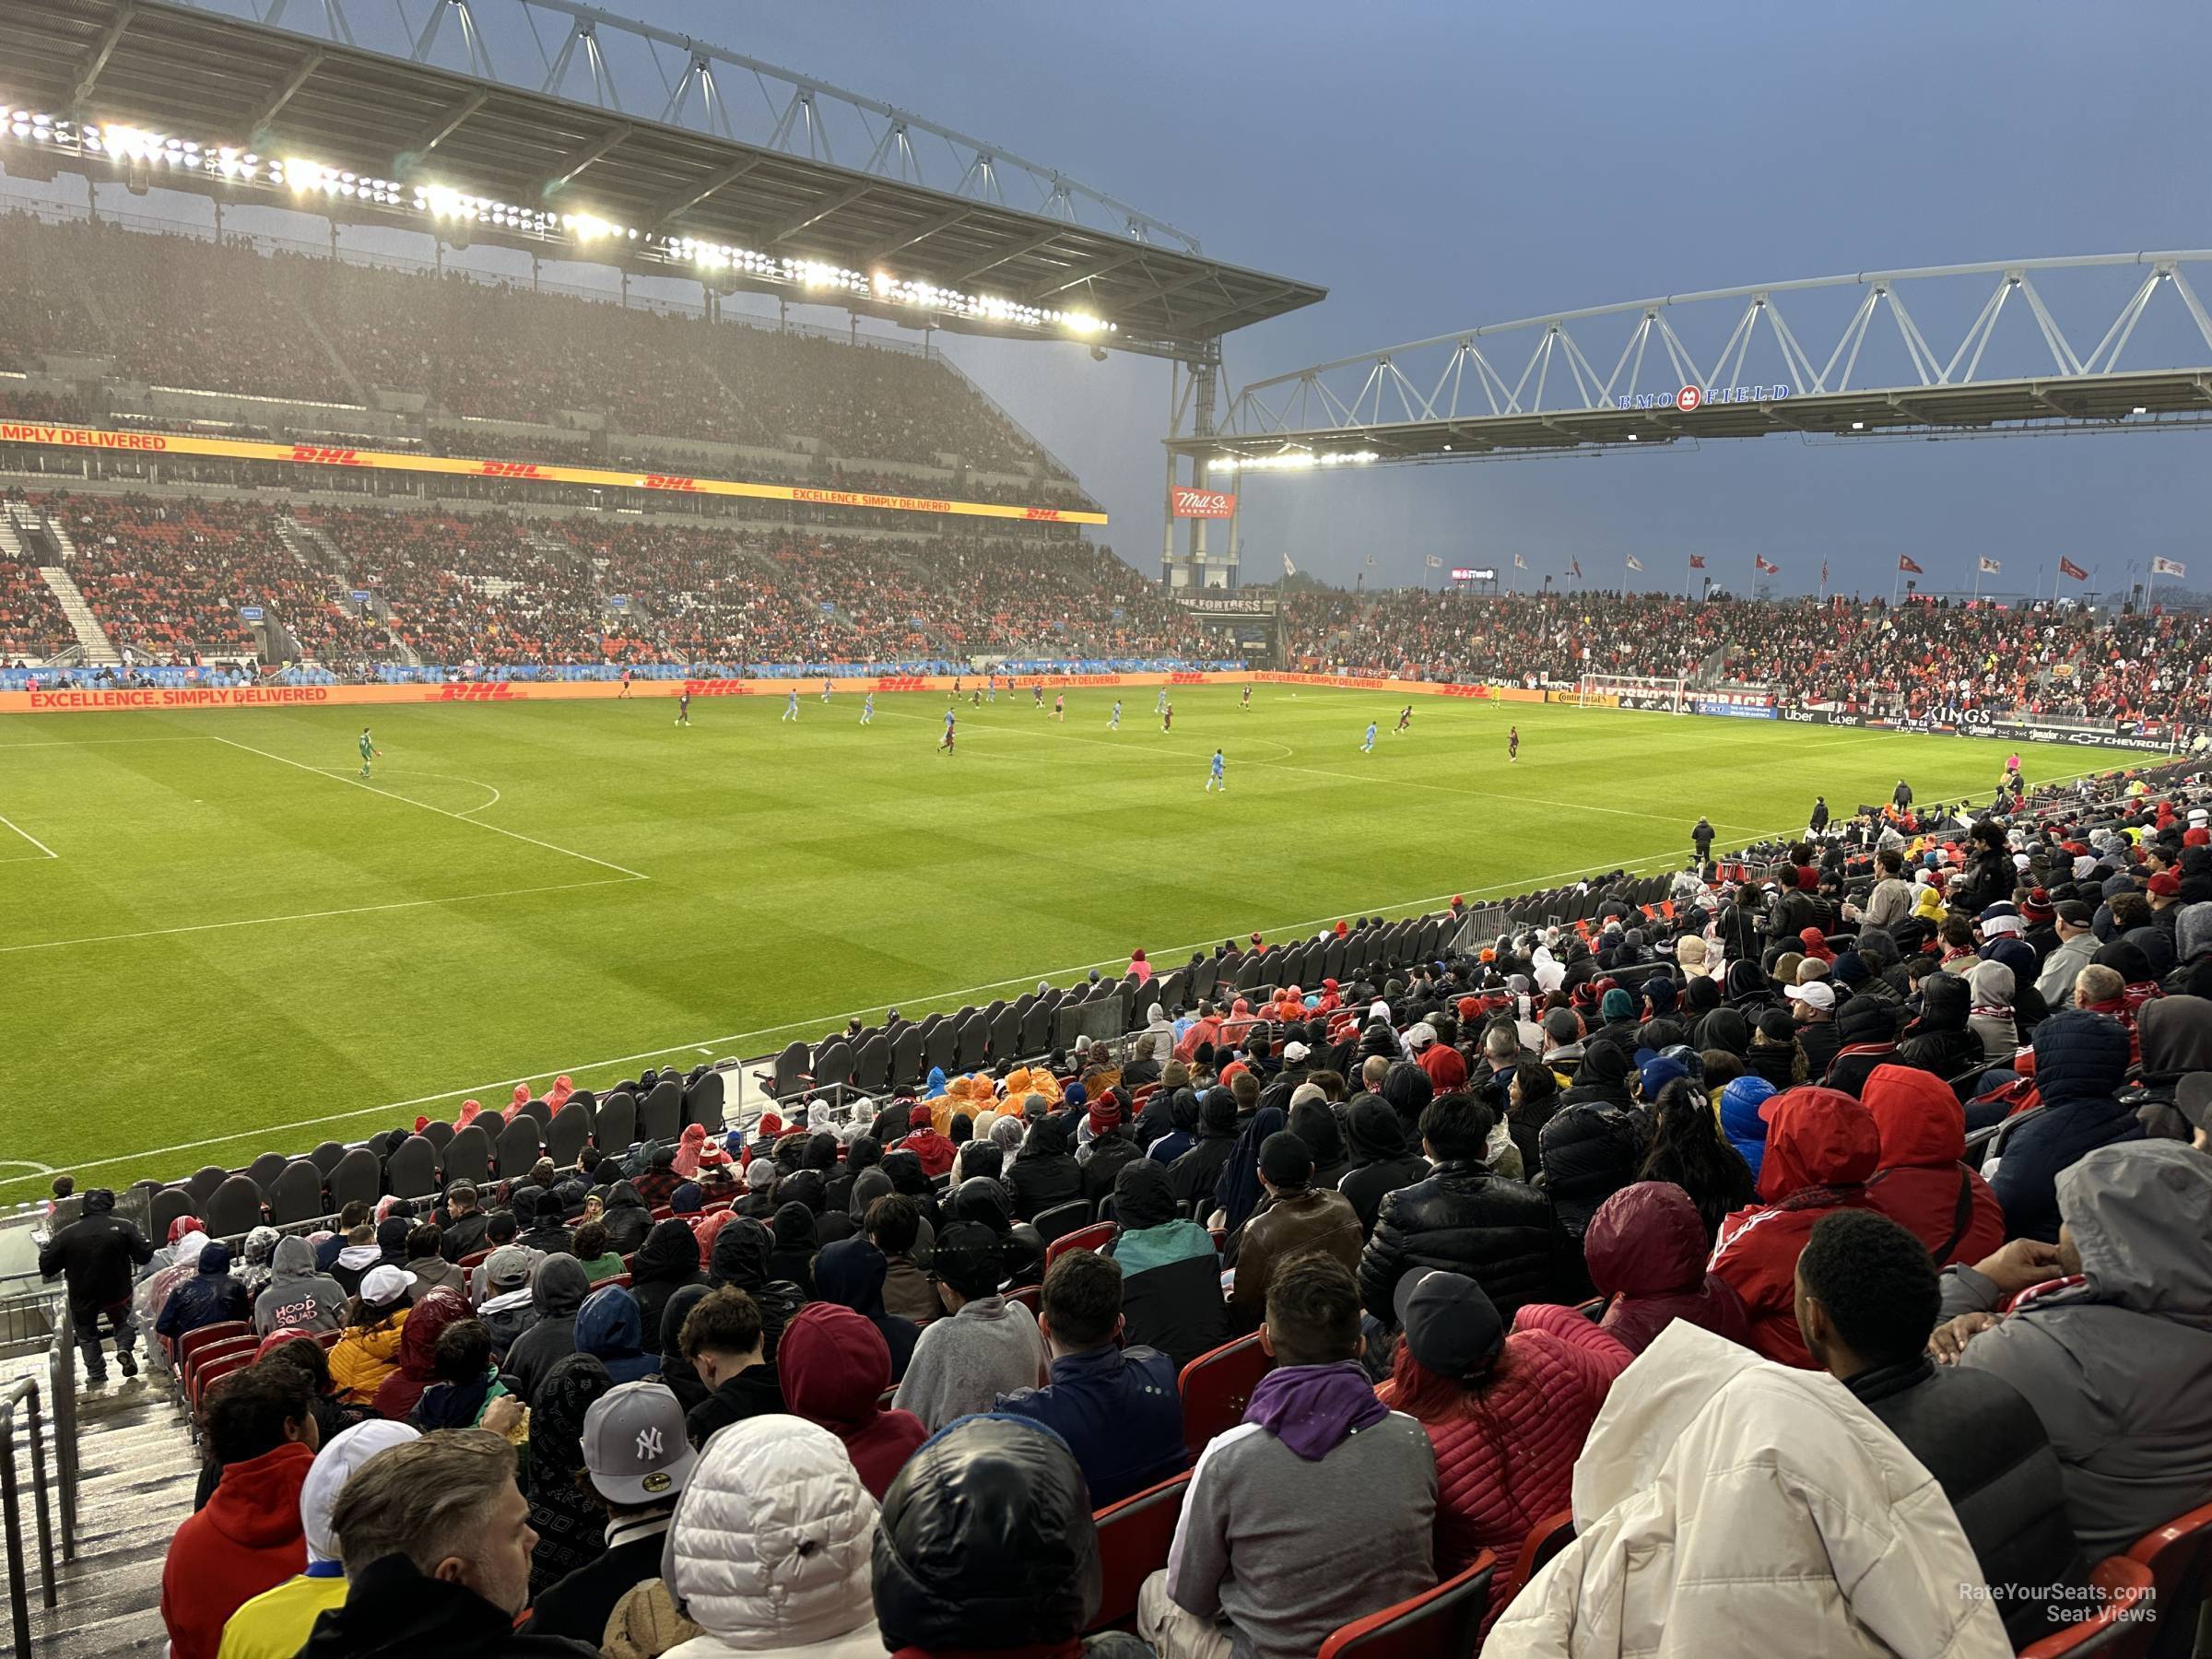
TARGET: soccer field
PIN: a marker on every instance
(216, 940)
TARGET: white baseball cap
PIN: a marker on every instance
(1819, 995)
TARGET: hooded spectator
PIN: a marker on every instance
(742, 1250)
(570, 1524)
(987, 1347)
(926, 1144)
(557, 1292)
(261, 1429)
(667, 1261)
(95, 1256)
(1315, 1439)
(1867, 1035)
(367, 1350)
(256, 1270)
(1821, 1148)
(1743, 1119)
(2081, 1060)
(1237, 1191)
(797, 1240)
(2109, 1336)
(609, 1328)
(864, 1153)
(427, 1320)
(1589, 1153)
(1408, 1089)
(1690, 1150)
(1462, 1219)
(297, 1297)
(1505, 1414)
(833, 1367)
(627, 1218)
(1046, 1176)
(1940, 1040)
(1381, 1161)
(1170, 1275)
(436, 1543)
(1646, 1250)
(850, 1272)
(1718, 1495)
(1111, 1146)
(276, 1624)
(1315, 1122)
(1602, 1078)
(1866, 1301)
(1990, 1013)
(908, 1181)
(677, 1373)
(1196, 1172)
(1922, 1181)
(210, 1297)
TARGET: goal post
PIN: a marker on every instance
(1633, 691)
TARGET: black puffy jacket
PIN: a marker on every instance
(1102, 1160)
(1589, 1153)
(1046, 1174)
(665, 1264)
(626, 1219)
(986, 1534)
(96, 1254)
(741, 1253)
(1939, 1040)
(1499, 1233)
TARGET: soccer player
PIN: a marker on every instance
(1367, 744)
(1512, 746)
(945, 743)
(1215, 780)
(1167, 720)
(826, 687)
(1037, 693)
(683, 706)
(867, 710)
(1247, 703)
(369, 751)
(1405, 718)
(791, 707)
(1114, 724)
(956, 687)
(1160, 703)
(991, 685)
(625, 691)
(1060, 707)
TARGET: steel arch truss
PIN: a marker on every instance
(2097, 340)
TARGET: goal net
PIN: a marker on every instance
(1631, 691)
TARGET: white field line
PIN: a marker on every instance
(33, 840)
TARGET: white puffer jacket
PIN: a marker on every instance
(1726, 1505)
(769, 1551)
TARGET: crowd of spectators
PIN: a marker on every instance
(1913, 660)
(31, 624)
(1669, 1221)
(181, 310)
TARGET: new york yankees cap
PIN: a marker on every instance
(634, 1446)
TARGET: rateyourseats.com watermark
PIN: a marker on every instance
(2073, 1603)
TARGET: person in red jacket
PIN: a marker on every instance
(833, 1366)
(261, 1427)
(1506, 1415)
(1821, 1146)
(1922, 1181)
(1434, 1050)
(927, 1143)
(1645, 1249)
(397, 1395)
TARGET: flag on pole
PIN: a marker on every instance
(1576, 565)
(1763, 563)
(1288, 569)
(1433, 562)
(1988, 566)
(2067, 567)
(2167, 567)
(1697, 561)
(1824, 573)
(1520, 563)
(1635, 563)
(1908, 567)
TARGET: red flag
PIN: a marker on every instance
(1759, 560)
(1576, 565)
(1908, 567)
(1697, 561)
(2067, 567)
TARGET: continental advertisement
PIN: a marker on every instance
(89, 699)
(458, 467)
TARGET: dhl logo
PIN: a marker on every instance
(902, 682)
(666, 481)
(1186, 677)
(1041, 513)
(499, 692)
(718, 687)
(319, 456)
(511, 469)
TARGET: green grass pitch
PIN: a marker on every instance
(215, 942)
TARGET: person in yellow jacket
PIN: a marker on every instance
(367, 1350)
(275, 1624)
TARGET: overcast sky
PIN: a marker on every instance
(1438, 167)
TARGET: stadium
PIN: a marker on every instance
(660, 1000)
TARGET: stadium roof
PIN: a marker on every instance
(220, 80)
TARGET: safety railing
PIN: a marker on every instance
(19, 1404)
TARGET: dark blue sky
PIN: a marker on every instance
(1439, 167)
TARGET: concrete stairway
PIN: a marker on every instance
(99, 648)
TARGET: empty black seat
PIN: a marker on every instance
(1003, 1024)
(168, 1205)
(468, 1156)
(518, 1147)
(661, 1113)
(906, 1057)
(234, 1207)
(326, 1156)
(538, 1110)
(787, 1077)
(940, 1046)
(616, 1126)
(439, 1133)
(706, 1098)
(565, 1136)
(1035, 1035)
(833, 1065)
(872, 1064)
(1063, 1218)
(296, 1194)
(202, 1183)
(356, 1177)
(263, 1172)
(412, 1171)
(974, 1041)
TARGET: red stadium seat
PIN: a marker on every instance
(1029, 1296)
(2124, 1622)
(2179, 1555)
(1545, 1539)
(1442, 1623)
(1134, 1537)
(191, 1342)
(1083, 1238)
(1217, 1388)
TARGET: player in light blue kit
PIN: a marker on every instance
(1368, 747)
(991, 687)
(791, 708)
(1114, 724)
(1160, 703)
(867, 710)
(827, 683)
(1215, 781)
(945, 743)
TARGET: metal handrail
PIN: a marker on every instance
(23, 1392)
